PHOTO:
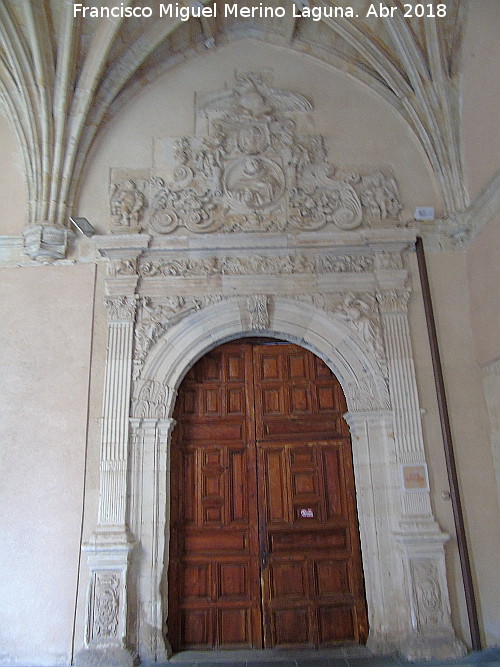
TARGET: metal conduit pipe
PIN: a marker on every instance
(448, 449)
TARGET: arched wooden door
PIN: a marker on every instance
(264, 548)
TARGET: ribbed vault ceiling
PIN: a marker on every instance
(63, 77)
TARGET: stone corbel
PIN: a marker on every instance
(46, 243)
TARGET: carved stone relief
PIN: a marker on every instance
(427, 594)
(153, 318)
(251, 171)
(105, 607)
(258, 310)
(283, 265)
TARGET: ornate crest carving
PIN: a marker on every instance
(252, 170)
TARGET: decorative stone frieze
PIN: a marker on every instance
(287, 265)
(251, 170)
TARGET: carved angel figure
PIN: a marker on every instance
(380, 196)
(358, 312)
(127, 204)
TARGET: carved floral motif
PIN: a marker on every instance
(258, 311)
(152, 400)
(120, 308)
(253, 171)
(154, 319)
(288, 264)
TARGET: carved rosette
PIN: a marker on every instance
(252, 170)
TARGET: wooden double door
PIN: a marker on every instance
(264, 547)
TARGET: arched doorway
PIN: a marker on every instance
(264, 547)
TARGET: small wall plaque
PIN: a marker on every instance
(414, 477)
(307, 513)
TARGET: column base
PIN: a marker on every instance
(112, 656)
(417, 648)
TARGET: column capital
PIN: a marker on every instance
(393, 301)
(121, 308)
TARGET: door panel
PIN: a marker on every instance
(271, 558)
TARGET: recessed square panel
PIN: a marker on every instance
(331, 577)
(304, 483)
(195, 580)
(272, 402)
(234, 628)
(212, 402)
(235, 402)
(235, 368)
(302, 457)
(212, 368)
(213, 515)
(299, 399)
(189, 402)
(195, 628)
(233, 581)
(269, 367)
(336, 624)
(291, 627)
(297, 365)
(321, 369)
(212, 486)
(326, 398)
(288, 579)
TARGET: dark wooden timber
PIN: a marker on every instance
(448, 450)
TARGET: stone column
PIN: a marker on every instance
(150, 474)
(430, 634)
(372, 434)
(109, 549)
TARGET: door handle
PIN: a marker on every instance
(263, 559)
